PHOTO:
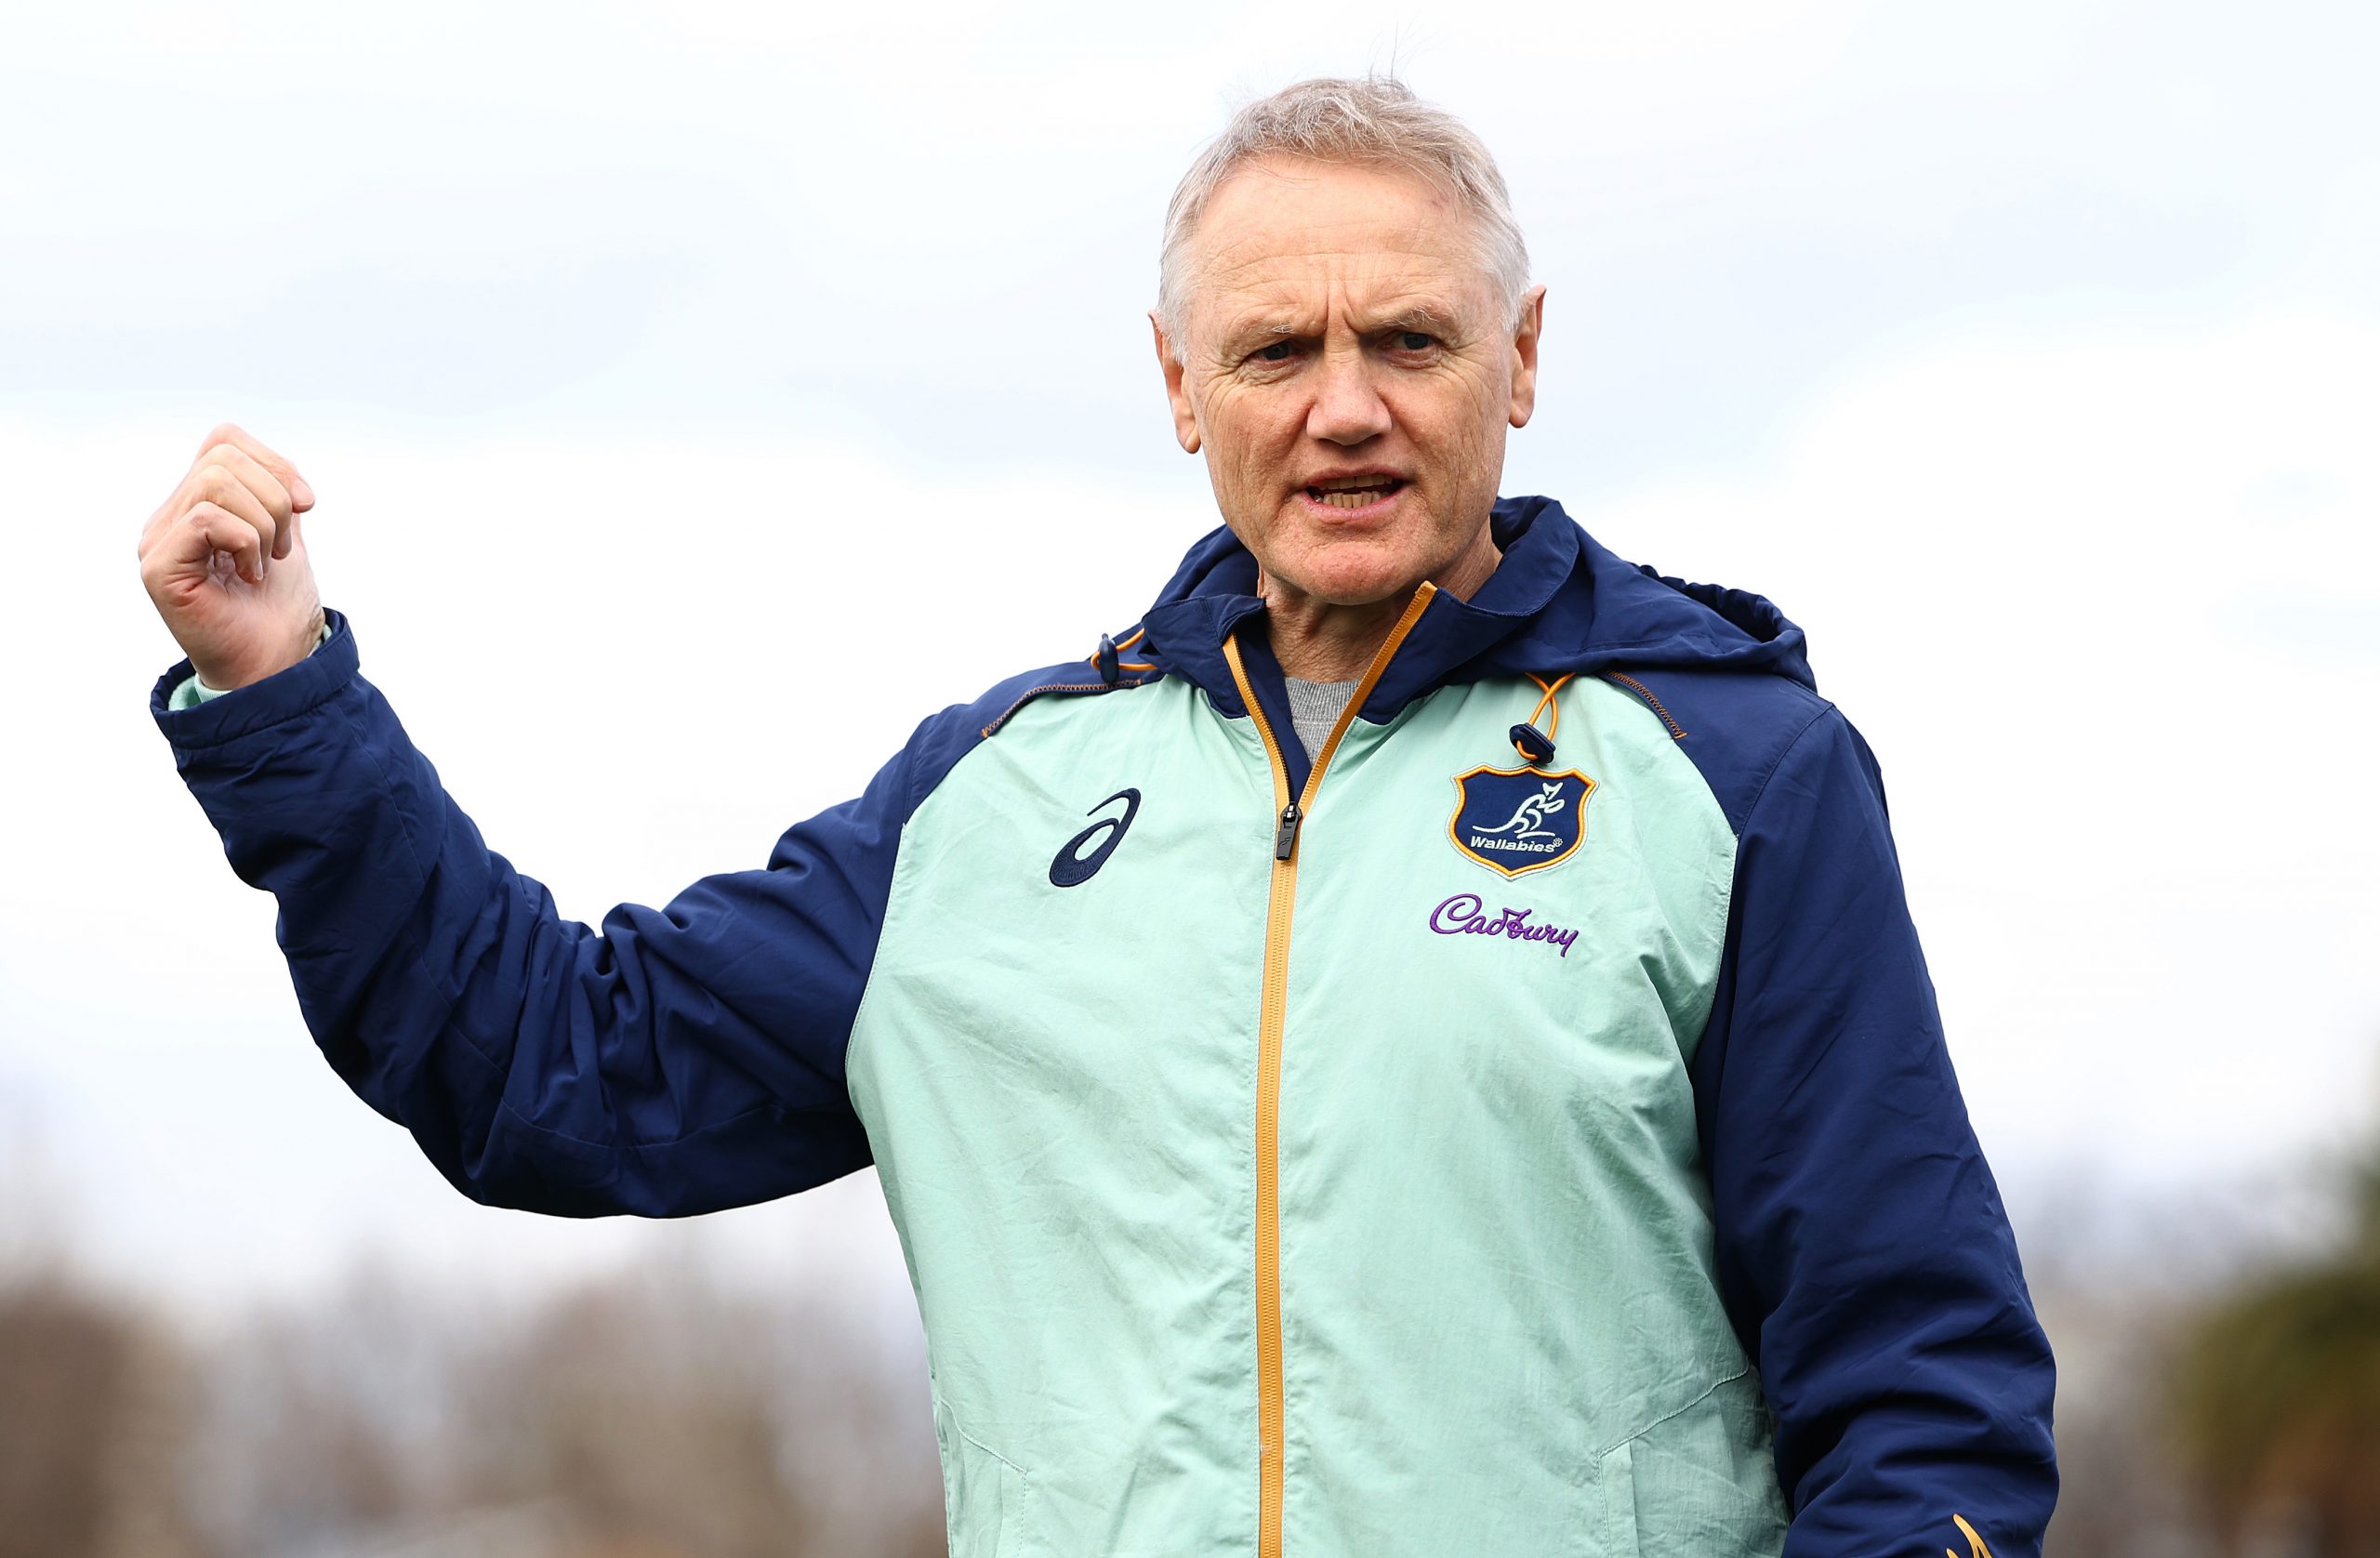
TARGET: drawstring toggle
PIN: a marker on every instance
(1532, 743)
(1536, 746)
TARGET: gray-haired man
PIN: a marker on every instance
(1586, 1175)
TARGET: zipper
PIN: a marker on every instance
(1289, 812)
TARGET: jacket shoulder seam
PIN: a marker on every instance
(974, 729)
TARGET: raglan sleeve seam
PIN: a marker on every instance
(910, 797)
(911, 800)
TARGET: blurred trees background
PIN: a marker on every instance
(91, 1425)
(2220, 1397)
(2278, 1394)
(647, 1415)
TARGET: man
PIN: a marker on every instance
(1417, 1047)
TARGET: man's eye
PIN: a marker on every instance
(1279, 351)
(1415, 340)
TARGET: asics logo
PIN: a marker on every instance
(1975, 1540)
(1073, 867)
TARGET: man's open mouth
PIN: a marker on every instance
(1357, 493)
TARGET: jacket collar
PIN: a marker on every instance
(1558, 601)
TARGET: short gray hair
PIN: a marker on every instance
(1336, 119)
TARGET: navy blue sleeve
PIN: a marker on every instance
(676, 1060)
(1862, 1247)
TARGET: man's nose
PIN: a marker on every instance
(1347, 406)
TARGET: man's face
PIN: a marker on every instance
(1349, 370)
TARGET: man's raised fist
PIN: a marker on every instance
(225, 565)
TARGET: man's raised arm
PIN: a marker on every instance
(682, 1060)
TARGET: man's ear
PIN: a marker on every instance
(1185, 420)
(1524, 335)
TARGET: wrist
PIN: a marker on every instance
(217, 679)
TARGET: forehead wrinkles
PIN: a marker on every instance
(1243, 255)
(1310, 237)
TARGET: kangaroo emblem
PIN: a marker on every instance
(1517, 820)
(1528, 818)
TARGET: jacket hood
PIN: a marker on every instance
(1558, 601)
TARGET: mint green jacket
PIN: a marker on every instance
(1521, 1126)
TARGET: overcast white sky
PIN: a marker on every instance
(698, 395)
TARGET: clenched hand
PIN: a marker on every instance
(226, 567)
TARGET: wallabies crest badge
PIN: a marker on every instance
(1513, 820)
